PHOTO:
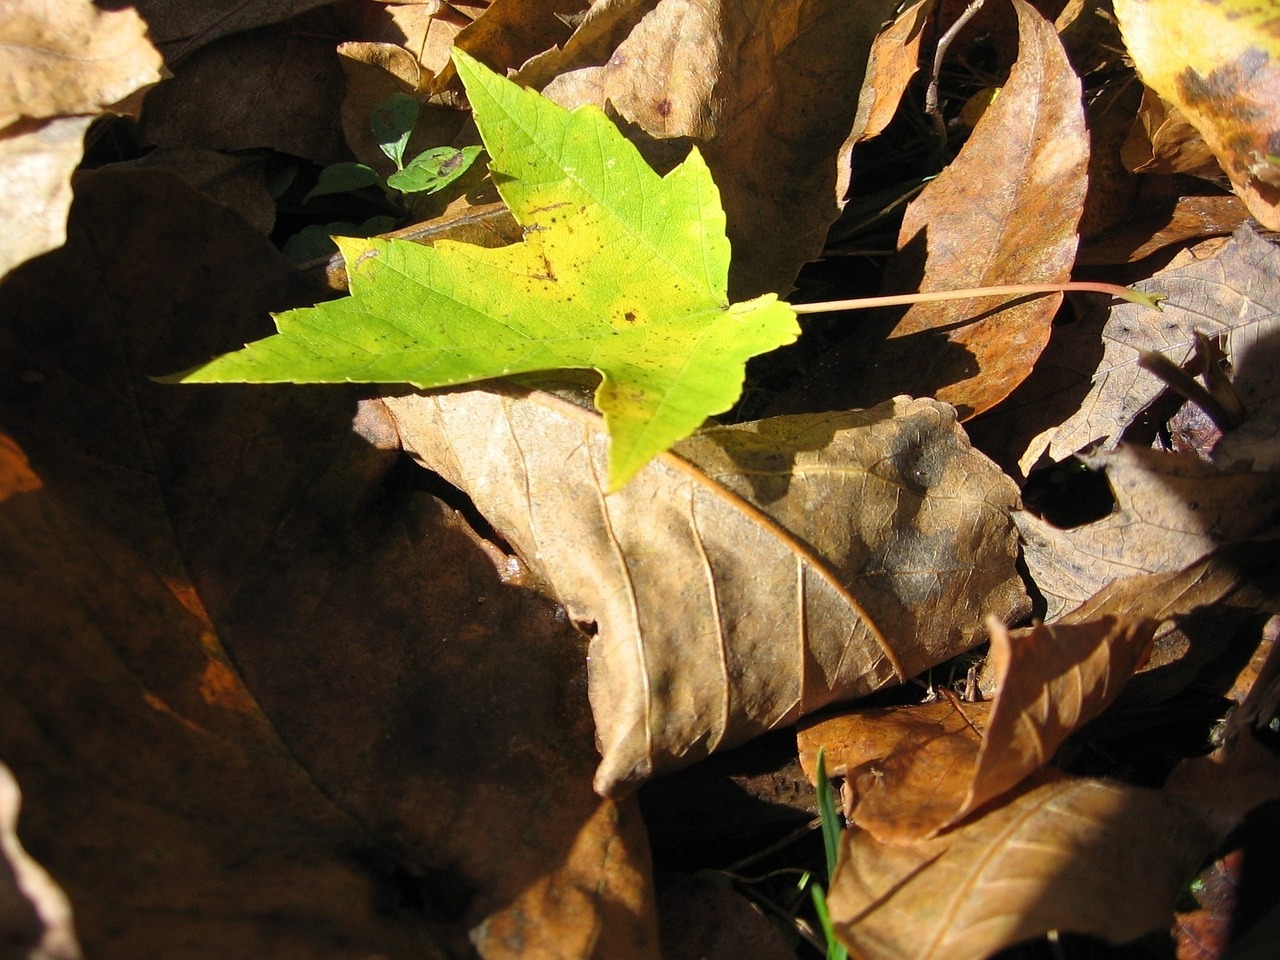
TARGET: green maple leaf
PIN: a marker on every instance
(620, 270)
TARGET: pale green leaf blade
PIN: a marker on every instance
(621, 271)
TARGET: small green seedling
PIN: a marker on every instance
(392, 122)
(831, 830)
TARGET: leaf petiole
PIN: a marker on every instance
(1006, 290)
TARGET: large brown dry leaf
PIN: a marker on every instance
(402, 721)
(63, 65)
(35, 916)
(180, 28)
(753, 575)
(216, 97)
(1078, 856)
(744, 81)
(912, 771)
(1235, 294)
(1171, 510)
(238, 183)
(70, 59)
(1004, 211)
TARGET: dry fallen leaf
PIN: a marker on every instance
(180, 28)
(71, 59)
(1235, 294)
(215, 98)
(1171, 509)
(913, 771)
(892, 62)
(235, 182)
(376, 738)
(509, 32)
(64, 64)
(1218, 62)
(907, 769)
(1004, 211)
(1073, 855)
(729, 587)
(1163, 215)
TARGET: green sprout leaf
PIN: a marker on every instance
(392, 121)
(433, 170)
(621, 271)
(341, 178)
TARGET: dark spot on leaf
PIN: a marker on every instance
(629, 316)
(664, 108)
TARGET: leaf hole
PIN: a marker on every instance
(1068, 494)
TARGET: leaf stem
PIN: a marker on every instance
(1006, 290)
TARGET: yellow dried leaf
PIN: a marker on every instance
(1218, 62)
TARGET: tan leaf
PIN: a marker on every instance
(1164, 215)
(63, 65)
(1004, 211)
(892, 62)
(729, 588)
(587, 905)
(599, 32)
(71, 59)
(1196, 608)
(1162, 141)
(1170, 509)
(36, 163)
(1235, 294)
(705, 71)
(235, 182)
(35, 916)
(425, 31)
(253, 686)
(1076, 856)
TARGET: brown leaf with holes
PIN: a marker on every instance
(1170, 509)
(1234, 294)
(730, 588)
(1004, 211)
(260, 695)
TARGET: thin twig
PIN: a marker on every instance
(940, 51)
(1004, 290)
